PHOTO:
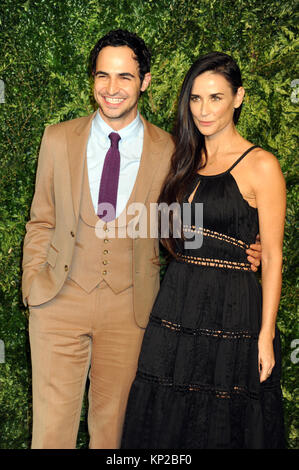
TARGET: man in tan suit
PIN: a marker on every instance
(90, 293)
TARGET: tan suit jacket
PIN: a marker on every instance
(51, 230)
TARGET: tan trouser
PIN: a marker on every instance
(69, 334)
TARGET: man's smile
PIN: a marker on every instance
(113, 101)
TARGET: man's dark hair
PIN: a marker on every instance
(121, 37)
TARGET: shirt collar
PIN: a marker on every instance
(130, 131)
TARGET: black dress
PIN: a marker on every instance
(197, 384)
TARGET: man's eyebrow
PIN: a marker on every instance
(126, 74)
(123, 74)
(100, 72)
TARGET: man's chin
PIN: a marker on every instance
(112, 116)
(112, 113)
(115, 115)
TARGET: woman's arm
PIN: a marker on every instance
(269, 186)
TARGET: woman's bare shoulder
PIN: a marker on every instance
(263, 161)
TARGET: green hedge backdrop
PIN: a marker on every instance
(45, 46)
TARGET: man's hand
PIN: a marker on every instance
(254, 253)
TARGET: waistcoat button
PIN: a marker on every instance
(66, 268)
(105, 262)
(105, 252)
(104, 272)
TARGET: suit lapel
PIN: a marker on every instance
(77, 138)
(149, 161)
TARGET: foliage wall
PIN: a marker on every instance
(45, 46)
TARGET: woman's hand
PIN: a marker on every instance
(266, 359)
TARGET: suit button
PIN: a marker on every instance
(105, 252)
(66, 268)
(104, 272)
(105, 262)
(72, 234)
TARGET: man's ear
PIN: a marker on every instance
(146, 81)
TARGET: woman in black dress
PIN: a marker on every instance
(209, 368)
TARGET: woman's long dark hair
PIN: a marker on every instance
(187, 158)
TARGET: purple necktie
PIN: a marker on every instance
(109, 181)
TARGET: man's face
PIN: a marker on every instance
(117, 85)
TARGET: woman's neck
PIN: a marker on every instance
(222, 142)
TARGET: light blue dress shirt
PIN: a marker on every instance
(130, 149)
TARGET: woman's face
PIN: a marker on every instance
(212, 103)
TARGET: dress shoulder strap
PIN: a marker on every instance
(242, 156)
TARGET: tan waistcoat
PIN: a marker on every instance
(98, 255)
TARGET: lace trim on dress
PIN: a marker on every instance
(224, 334)
(236, 390)
(212, 234)
(215, 263)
